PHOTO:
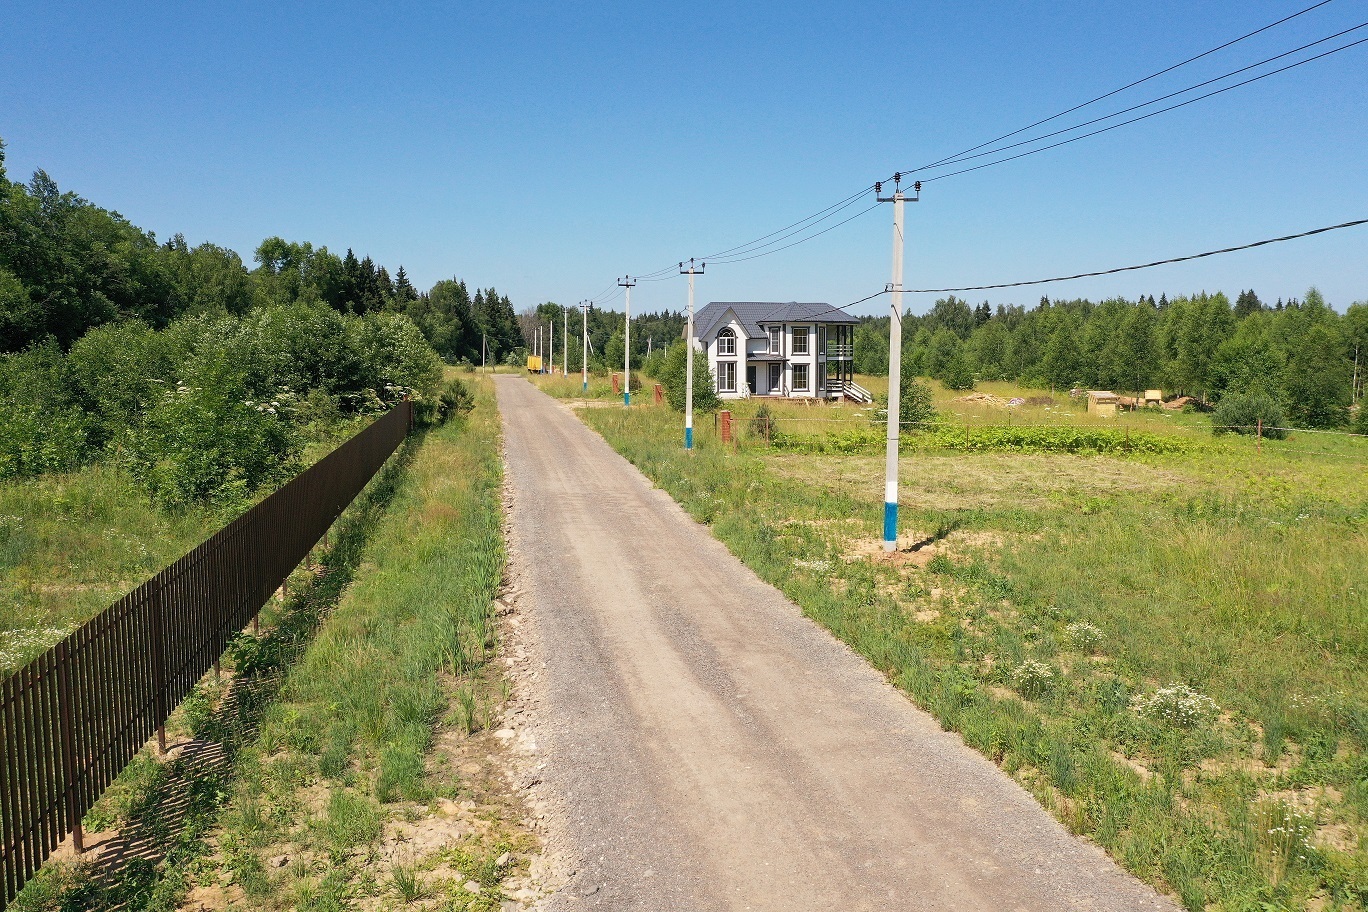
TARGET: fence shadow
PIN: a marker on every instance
(176, 813)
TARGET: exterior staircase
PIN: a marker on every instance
(851, 390)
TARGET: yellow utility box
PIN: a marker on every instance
(534, 364)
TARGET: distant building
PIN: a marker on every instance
(800, 351)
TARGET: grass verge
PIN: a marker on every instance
(1170, 650)
(321, 745)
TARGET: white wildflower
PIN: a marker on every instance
(1176, 704)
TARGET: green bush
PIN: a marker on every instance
(454, 400)
(42, 429)
(114, 369)
(206, 441)
(916, 403)
(763, 424)
(672, 378)
(1241, 413)
(397, 359)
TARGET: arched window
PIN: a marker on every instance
(726, 342)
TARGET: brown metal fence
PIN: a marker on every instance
(75, 716)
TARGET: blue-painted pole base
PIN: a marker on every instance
(626, 398)
(584, 387)
(688, 438)
(890, 524)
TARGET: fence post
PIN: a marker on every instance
(158, 660)
(1258, 438)
(725, 416)
(67, 724)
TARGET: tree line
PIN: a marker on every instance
(1301, 354)
(67, 266)
(651, 333)
(201, 378)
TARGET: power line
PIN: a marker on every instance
(1131, 85)
(1144, 104)
(755, 249)
(804, 240)
(1180, 259)
(1124, 123)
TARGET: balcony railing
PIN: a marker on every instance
(840, 352)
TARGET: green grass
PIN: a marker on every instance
(72, 544)
(344, 749)
(1062, 592)
(334, 709)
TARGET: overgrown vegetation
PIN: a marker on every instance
(335, 760)
(1168, 650)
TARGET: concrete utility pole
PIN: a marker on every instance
(584, 339)
(551, 347)
(565, 343)
(484, 351)
(890, 536)
(627, 282)
(691, 271)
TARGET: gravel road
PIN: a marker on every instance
(706, 747)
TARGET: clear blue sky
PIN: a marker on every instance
(544, 148)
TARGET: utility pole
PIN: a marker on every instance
(627, 282)
(689, 353)
(565, 343)
(484, 351)
(551, 347)
(890, 539)
(584, 358)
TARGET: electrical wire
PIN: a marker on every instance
(755, 249)
(1123, 88)
(1103, 272)
(1125, 123)
(1145, 104)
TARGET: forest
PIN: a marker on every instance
(652, 334)
(205, 379)
(1302, 355)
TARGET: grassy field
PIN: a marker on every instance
(72, 544)
(359, 772)
(1169, 649)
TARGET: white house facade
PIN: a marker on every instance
(794, 350)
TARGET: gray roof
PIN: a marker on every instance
(753, 313)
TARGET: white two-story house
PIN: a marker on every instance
(757, 348)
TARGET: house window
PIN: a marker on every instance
(800, 377)
(800, 340)
(776, 340)
(726, 342)
(822, 339)
(776, 373)
(726, 376)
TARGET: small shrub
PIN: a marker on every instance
(1176, 704)
(1240, 413)
(916, 403)
(763, 424)
(455, 399)
(1033, 679)
(672, 378)
(1084, 636)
